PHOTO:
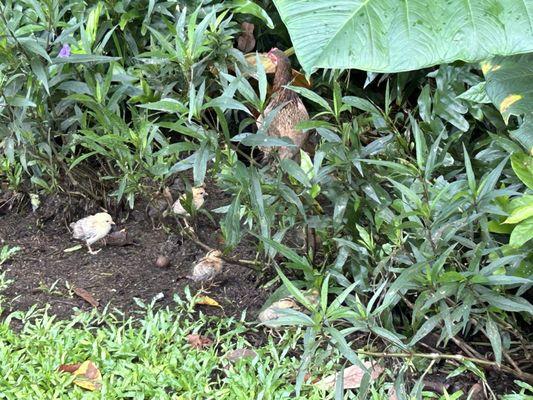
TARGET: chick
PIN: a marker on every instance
(273, 311)
(207, 268)
(198, 198)
(92, 228)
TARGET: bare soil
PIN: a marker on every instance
(42, 273)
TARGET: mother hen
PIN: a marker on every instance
(291, 113)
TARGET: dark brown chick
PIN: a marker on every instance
(294, 111)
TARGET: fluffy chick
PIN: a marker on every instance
(207, 268)
(92, 228)
(198, 198)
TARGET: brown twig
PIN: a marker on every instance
(456, 357)
(475, 355)
(253, 265)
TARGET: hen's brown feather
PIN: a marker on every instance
(294, 111)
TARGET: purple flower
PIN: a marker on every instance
(65, 51)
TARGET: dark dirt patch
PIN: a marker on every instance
(42, 272)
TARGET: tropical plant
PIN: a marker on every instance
(391, 36)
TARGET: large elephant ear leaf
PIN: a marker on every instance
(395, 36)
(510, 87)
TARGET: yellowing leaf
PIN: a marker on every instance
(207, 301)
(508, 101)
(486, 67)
(87, 375)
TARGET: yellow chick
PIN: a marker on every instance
(92, 228)
(198, 198)
(208, 267)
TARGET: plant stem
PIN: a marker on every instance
(455, 357)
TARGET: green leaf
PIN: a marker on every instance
(488, 183)
(388, 335)
(41, 73)
(513, 304)
(286, 252)
(84, 58)
(420, 143)
(225, 103)
(298, 295)
(426, 328)
(167, 105)
(249, 7)
(345, 349)
(522, 233)
(520, 214)
(294, 170)
(511, 90)
(476, 94)
(523, 167)
(469, 172)
(394, 36)
(258, 139)
(361, 104)
(312, 96)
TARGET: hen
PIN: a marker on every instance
(92, 228)
(291, 113)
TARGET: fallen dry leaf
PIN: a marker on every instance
(87, 375)
(85, 295)
(237, 354)
(68, 367)
(198, 341)
(352, 376)
(207, 301)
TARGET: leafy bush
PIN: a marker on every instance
(411, 215)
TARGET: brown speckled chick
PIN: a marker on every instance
(207, 269)
(92, 228)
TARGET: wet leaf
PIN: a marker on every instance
(85, 295)
(198, 341)
(352, 376)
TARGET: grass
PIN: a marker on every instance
(144, 358)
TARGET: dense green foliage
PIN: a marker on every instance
(395, 36)
(150, 359)
(414, 207)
